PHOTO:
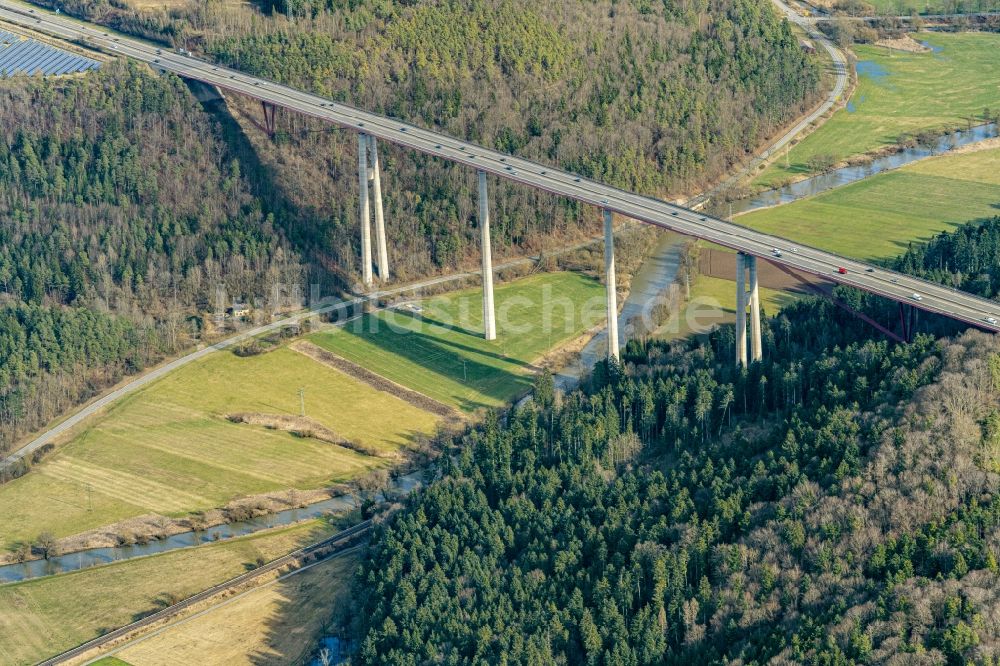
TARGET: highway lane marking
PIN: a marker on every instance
(812, 260)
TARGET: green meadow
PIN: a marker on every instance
(713, 303)
(902, 93)
(169, 448)
(437, 347)
(878, 217)
(48, 615)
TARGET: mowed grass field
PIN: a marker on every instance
(169, 448)
(878, 217)
(279, 623)
(910, 7)
(440, 351)
(903, 93)
(42, 617)
(713, 303)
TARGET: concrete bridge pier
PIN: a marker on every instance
(741, 310)
(745, 262)
(364, 212)
(489, 316)
(376, 179)
(610, 285)
(756, 346)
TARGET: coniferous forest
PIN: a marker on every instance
(837, 503)
(657, 97)
(126, 207)
(121, 215)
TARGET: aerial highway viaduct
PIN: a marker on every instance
(610, 200)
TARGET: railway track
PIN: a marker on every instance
(309, 554)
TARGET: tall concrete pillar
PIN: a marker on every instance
(756, 346)
(741, 310)
(363, 211)
(489, 317)
(609, 273)
(383, 254)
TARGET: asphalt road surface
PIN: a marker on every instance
(895, 286)
(156, 373)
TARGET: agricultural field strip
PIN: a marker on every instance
(170, 611)
(877, 217)
(226, 602)
(902, 93)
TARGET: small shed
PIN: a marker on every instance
(807, 46)
(238, 310)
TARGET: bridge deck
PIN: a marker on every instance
(895, 286)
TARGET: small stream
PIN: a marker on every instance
(92, 557)
(660, 269)
(851, 174)
(656, 274)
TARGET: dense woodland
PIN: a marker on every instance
(121, 196)
(656, 96)
(121, 217)
(837, 503)
(967, 258)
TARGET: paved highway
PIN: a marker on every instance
(925, 295)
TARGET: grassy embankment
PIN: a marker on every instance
(42, 617)
(169, 449)
(902, 93)
(440, 351)
(713, 303)
(276, 624)
(876, 218)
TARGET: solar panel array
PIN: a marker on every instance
(19, 55)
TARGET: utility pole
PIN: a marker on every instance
(302, 401)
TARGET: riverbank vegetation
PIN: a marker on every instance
(171, 449)
(900, 98)
(835, 503)
(40, 618)
(231, 426)
(125, 199)
(880, 216)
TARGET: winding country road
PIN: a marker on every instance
(635, 206)
(840, 84)
(840, 67)
(330, 305)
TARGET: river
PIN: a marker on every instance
(655, 275)
(838, 177)
(83, 559)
